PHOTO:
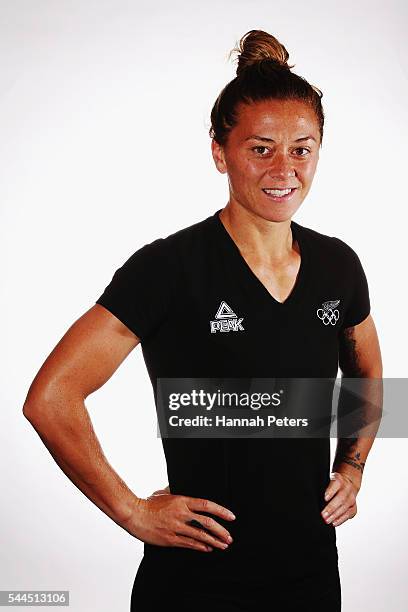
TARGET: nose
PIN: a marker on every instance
(281, 166)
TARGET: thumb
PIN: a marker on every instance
(332, 488)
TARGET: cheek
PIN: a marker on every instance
(246, 171)
(306, 171)
(255, 170)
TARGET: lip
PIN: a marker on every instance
(284, 198)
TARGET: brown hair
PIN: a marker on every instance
(263, 73)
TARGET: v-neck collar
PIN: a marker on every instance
(231, 248)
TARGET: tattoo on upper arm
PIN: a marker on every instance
(348, 354)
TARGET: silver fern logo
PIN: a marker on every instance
(329, 314)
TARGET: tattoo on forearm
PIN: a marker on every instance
(350, 460)
(347, 453)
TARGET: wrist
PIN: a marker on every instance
(354, 476)
(132, 507)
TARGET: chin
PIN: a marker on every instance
(277, 213)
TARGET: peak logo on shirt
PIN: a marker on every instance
(226, 320)
(329, 314)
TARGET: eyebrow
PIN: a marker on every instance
(256, 137)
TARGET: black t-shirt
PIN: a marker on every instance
(171, 293)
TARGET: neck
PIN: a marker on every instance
(267, 241)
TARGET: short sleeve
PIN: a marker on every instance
(139, 293)
(358, 307)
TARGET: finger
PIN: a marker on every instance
(339, 500)
(349, 514)
(343, 518)
(330, 491)
(214, 539)
(186, 542)
(205, 505)
(203, 536)
(208, 523)
(332, 488)
(345, 496)
(342, 509)
(344, 491)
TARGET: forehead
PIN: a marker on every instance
(285, 117)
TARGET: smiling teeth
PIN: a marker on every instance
(277, 192)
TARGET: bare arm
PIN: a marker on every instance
(359, 357)
(83, 360)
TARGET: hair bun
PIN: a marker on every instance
(257, 45)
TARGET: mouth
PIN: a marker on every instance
(280, 195)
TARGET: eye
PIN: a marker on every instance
(302, 149)
(259, 147)
(256, 149)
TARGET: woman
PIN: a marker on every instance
(247, 292)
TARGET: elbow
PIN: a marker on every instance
(47, 411)
(38, 405)
(32, 404)
(45, 416)
(32, 411)
(42, 398)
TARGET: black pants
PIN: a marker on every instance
(152, 588)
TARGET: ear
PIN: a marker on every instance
(218, 156)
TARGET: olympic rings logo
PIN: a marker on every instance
(329, 313)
